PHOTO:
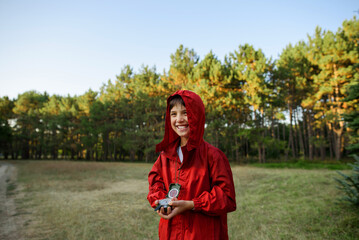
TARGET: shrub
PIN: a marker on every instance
(350, 184)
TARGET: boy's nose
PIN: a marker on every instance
(179, 118)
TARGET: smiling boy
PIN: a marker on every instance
(199, 173)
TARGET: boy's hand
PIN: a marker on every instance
(179, 206)
(161, 210)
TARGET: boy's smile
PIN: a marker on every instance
(179, 122)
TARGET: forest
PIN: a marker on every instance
(303, 105)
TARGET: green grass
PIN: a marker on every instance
(304, 165)
(290, 204)
(83, 200)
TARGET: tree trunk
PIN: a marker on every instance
(291, 140)
(295, 139)
(247, 149)
(299, 132)
(272, 126)
(259, 149)
(132, 155)
(105, 144)
(322, 146)
(310, 136)
(264, 154)
(25, 153)
(236, 149)
(305, 138)
(337, 143)
(330, 141)
(338, 126)
(278, 132)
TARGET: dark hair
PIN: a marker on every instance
(176, 99)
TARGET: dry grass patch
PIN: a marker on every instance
(76, 200)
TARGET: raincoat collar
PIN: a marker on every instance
(196, 121)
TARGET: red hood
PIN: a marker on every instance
(196, 121)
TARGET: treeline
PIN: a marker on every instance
(256, 108)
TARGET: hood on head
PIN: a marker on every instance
(196, 121)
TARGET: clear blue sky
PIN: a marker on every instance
(67, 47)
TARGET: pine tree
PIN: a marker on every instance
(178, 77)
(28, 116)
(349, 184)
(251, 69)
(294, 85)
(337, 58)
(352, 118)
(6, 133)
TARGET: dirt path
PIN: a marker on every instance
(9, 229)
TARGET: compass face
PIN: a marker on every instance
(164, 201)
(173, 193)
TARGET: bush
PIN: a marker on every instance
(350, 184)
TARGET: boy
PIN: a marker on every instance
(191, 172)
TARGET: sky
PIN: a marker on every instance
(70, 46)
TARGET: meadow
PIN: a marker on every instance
(93, 200)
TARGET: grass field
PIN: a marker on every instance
(87, 200)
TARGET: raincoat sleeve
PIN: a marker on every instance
(156, 184)
(221, 198)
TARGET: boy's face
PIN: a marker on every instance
(179, 121)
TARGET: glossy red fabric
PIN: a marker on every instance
(205, 177)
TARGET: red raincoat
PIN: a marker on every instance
(205, 177)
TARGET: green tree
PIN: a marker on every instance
(352, 118)
(69, 116)
(349, 184)
(28, 116)
(51, 125)
(144, 118)
(208, 80)
(337, 57)
(83, 126)
(294, 74)
(6, 115)
(178, 77)
(251, 74)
